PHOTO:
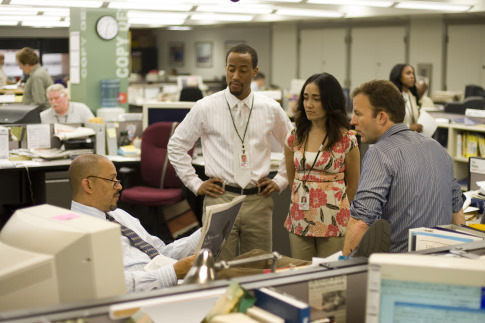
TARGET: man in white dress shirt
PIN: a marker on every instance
(95, 192)
(63, 111)
(233, 146)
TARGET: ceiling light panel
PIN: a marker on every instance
(438, 6)
(235, 8)
(147, 5)
(151, 21)
(59, 3)
(220, 17)
(382, 4)
(134, 14)
(309, 13)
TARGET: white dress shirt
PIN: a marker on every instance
(76, 113)
(211, 121)
(134, 260)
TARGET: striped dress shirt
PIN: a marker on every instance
(210, 120)
(408, 180)
(134, 260)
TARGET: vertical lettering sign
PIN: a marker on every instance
(122, 48)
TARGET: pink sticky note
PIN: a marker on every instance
(66, 216)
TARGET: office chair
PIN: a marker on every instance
(471, 102)
(191, 93)
(160, 184)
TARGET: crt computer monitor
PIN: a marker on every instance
(19, 114)
(425, 288)
(474, 90)
(86, 258)
(165, 111)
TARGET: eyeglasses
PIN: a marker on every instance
(115, 181)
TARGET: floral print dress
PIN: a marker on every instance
(329, 210)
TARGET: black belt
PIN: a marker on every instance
(239, 190)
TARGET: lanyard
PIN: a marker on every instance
(303, 160)
(234, 124)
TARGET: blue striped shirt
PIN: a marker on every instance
(134, 260)
(408, 180)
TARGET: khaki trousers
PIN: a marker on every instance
(307, 247)
(252, 228)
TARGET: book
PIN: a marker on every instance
(263, 316)
(462, 229)
(218, 224)
(283, 305)
(427, 238)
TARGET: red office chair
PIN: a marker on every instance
(161, 186)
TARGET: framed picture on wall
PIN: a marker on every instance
(203, 54)
(176, 54)
(229, 43)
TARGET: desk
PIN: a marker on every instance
(27, 183)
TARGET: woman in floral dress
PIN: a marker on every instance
(323, 165)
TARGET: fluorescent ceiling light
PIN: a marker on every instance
(30, 18)
(143, 5)
(8, 23)
(179, 28)
(294, 1)
(383, 4)
(60, 3)
(155, 15)
(255, 10)
(309, 13)
(45, 24)
(152, 21)
(220, 17)
(432, 6)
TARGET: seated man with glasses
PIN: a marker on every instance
(95, 191)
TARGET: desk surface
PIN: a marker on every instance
(59, 163)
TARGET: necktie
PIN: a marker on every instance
(135, 239)
(242, 176)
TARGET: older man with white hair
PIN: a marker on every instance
(63, 111)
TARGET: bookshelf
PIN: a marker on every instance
(459, 153)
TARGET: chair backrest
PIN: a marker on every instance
(190, 94)
(154, 156)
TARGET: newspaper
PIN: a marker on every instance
(218, 225)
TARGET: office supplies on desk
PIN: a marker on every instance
(282, 305)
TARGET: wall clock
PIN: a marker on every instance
(107, 27)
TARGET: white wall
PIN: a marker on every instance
(284, 52)
(426, 46)
(257, 37)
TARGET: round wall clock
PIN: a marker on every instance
(107, 27)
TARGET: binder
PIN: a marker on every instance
(282, 305)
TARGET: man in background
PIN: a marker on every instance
(3, 75)
(407, 178)
(258, 83)
(38, 81)
(63, 111)
(95, 192)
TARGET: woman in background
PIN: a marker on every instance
(323, 165)
(402, 75)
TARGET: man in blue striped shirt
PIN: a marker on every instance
(407, 178)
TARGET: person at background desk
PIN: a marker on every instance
(63, 111)
(3, 75)
(402, 75)
(407, 179)
(95, 192)
(323, 166)
(38, 81)
(258, 83)
(233, 123)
